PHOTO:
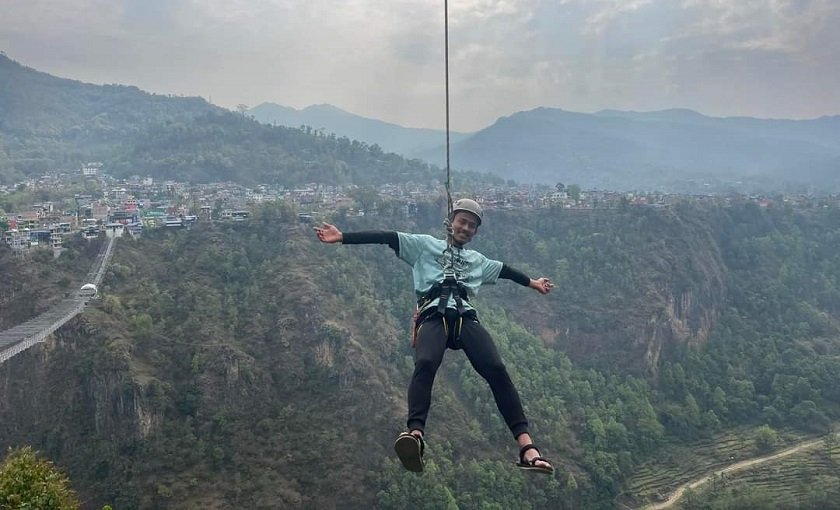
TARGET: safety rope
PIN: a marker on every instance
(446, 60)
(449, 269)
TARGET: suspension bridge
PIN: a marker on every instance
(23, 336)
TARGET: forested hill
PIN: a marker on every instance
(52, 124)
(37, 103)
(249, 366)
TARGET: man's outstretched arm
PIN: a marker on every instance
(541, 285)
(328, 233)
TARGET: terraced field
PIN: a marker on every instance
(787, 482)
(681, 464)
(685, 465)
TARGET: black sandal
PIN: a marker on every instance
(409, 448)
(530, 465)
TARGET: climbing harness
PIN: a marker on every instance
(449, 287)
(440, 291)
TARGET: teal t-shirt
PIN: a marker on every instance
(427, 256)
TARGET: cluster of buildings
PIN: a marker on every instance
(128, 207)
(44, 225)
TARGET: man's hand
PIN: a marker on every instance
(541, 285)
(328, 233)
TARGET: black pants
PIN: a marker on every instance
(434, 336)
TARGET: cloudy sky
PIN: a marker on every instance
(385, 58)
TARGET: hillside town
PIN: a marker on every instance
(119, 207)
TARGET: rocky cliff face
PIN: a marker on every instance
(689, 301)
(632, 286)
(70, 374)
(682, 321)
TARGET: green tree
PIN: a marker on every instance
(268, 212)
(574, 191)
(830, 442)
(365, 197)
(571, 488)
(30, 482)
(765, 438)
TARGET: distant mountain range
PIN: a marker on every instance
(409, 142)
(48, 122)
(671, 149)
(674, 149)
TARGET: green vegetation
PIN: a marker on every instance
(807, 480)
(679, 463)
(29, 482)
(766, 439)
(250, 366)
(34, 283)
(52, 124)
(224, 146)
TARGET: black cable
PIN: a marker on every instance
(446, 60)
(448, 221)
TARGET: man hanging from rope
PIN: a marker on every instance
(446, 275)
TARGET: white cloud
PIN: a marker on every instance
(787, 26)
(609, 11)
(384, 58)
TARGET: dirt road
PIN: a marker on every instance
(738, 466)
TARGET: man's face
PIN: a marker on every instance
(464, 227)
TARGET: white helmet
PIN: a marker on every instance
(471, 206)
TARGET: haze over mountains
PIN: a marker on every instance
(409, 142)
(48, 123)
(678, 149)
